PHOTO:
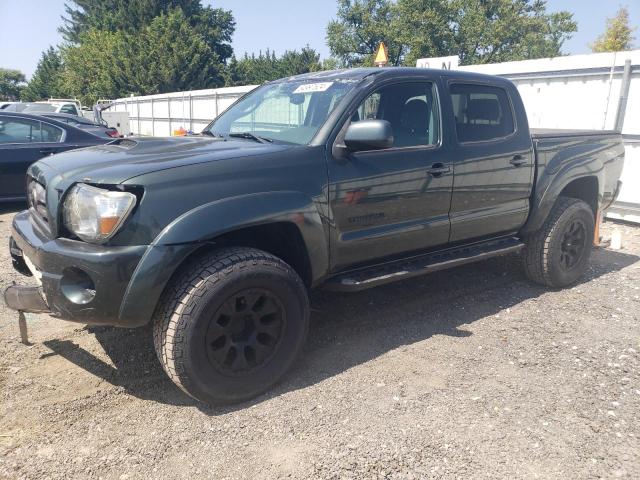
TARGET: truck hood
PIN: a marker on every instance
(123, 159)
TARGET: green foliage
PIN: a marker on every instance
(46, 82)
(478, 31)
(215, 25)
(11, 84)
(361, 25)
(252, 70)
(115, 47)
(331, 63)
(166, 55)
(618, 36)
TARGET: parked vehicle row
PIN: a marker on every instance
(50, 106)
(343, 180)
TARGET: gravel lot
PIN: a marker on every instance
(468, 373)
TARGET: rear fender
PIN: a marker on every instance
(545, 197)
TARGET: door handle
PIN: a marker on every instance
(438, 169)
(518, 161)
(47, 151)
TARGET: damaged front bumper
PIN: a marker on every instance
(76, 281)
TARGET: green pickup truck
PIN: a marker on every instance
(340, 180)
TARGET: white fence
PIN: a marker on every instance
(161, 115)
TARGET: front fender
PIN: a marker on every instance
(203, 224)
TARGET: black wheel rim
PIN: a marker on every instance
(245, 332)
(574, 241)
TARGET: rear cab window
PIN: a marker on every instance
(482, 113)
(69, 108)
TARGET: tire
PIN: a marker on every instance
(558, 254)
(231, 324)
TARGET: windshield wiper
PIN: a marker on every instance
(211, 134)
(251, 136)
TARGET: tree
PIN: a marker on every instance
(478, 31)
(46, 82)
(93, 67)
(293, 62)
(361, 25)
(215, 25)
(166, 55)
(618, 36)
(11, 84)
(252, 70)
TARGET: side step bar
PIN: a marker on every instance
(362, 279)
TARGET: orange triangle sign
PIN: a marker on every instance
(381, 56)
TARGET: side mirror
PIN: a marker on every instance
(369, 135)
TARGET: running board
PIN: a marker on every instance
(362, 279)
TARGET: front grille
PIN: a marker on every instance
(37, 198)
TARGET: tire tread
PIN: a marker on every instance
(538, 245)
(173, 313)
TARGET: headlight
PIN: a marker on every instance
(95, 214)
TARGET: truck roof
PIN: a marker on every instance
(362, 72)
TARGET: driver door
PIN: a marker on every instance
(390, 202)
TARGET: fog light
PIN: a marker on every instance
(77, 286)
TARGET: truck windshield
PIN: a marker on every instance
(291, 111)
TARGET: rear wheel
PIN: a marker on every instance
(231, 325)
(558, 254)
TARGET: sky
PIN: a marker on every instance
(27, 27)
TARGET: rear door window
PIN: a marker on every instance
(20, 130)
(51, 133)
(482, 112)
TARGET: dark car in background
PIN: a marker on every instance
(84, 124)
(26, 138)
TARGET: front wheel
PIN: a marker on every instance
(558, 254)
(231, 325)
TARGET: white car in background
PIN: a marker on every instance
(4, 105)
(54, 105)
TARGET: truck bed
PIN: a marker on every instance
(598, 153)
(538, 133)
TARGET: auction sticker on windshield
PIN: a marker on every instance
(313, 87)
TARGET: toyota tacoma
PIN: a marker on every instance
(343, 180)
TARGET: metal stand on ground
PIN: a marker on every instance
(22, 324)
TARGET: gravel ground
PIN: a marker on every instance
(472, 373)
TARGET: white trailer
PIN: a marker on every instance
(163, 114)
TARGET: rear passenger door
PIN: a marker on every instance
(493, 166)
(24, 141)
